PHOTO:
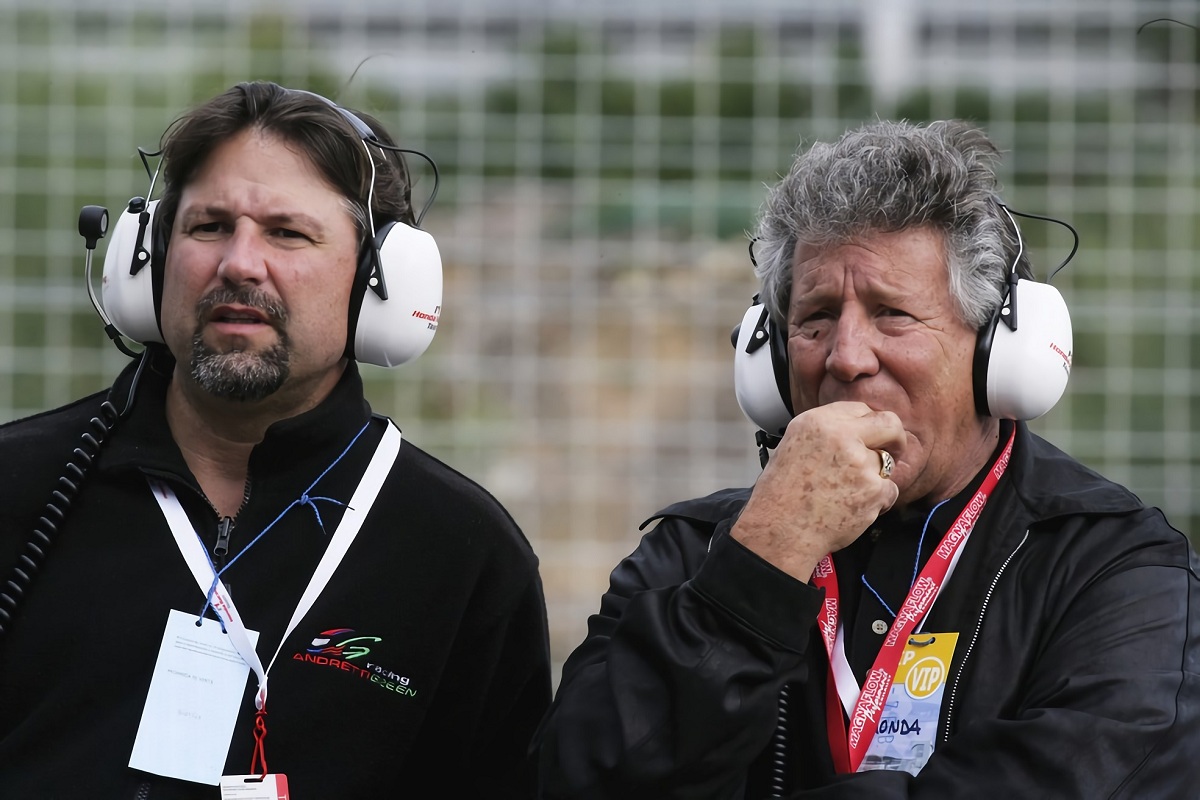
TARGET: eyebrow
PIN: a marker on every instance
(279, 219)
(820, 295)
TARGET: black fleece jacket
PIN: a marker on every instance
(1077, 673)
(439, 574)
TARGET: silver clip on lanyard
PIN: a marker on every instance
(194, 554)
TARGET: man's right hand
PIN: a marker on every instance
(822, 487)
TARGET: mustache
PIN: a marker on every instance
(271, 307)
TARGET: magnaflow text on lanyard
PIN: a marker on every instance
(200, 676)
(893, 717)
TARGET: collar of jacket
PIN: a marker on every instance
(143, 441)
(1052, 484)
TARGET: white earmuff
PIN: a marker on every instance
(388, 332)
(1022, 373)
(394, 331)
(1018, 374)
(760, 372)
(127, 285)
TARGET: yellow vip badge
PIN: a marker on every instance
(926, 663)
(909, 720)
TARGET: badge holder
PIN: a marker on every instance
(260, 785)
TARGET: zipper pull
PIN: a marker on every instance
(221, 548)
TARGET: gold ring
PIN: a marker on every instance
(886, 464)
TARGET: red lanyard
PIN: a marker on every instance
(849, 746)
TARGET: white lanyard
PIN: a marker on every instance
(202, 569)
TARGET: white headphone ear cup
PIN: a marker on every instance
(128, 297)
(754, 374)
(1028, 369)
(395, 331)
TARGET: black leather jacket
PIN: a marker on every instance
(1077, 673)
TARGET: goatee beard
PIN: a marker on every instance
(241, 375)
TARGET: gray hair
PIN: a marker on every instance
(886, 177)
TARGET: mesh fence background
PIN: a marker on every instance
(600, 166)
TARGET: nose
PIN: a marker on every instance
(244, 258)
(852, 349)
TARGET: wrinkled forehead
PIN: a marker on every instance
(910, 257)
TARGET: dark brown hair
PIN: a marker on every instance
(317, 126)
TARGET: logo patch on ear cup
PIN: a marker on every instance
(127, 286)
(760, 372)
(1022, 373)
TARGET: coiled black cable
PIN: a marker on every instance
(44, 532)
(779, 782)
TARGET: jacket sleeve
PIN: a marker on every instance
(1110, 704)
(674, 691)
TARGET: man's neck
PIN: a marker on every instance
(216, 436)
(972, 456)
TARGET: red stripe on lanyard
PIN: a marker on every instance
(849, 746)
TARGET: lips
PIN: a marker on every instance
(244, 308)
(238, 315)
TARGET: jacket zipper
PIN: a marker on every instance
(975, 636)
(221, 548)
(225, 526)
